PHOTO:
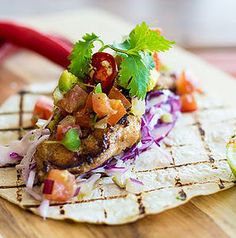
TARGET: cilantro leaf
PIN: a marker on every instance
(143, 38)
(137, 61)
(134, 73)
(81, 55)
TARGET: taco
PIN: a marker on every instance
(113, 145)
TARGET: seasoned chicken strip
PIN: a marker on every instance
(97, 148)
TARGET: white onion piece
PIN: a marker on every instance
(43, 208)
(30, 181)
(41, 123)
(20, 147)
(120, 179)
(87, 186)
(134, 186)
(28, 157)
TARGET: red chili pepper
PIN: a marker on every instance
(105, 69)
(51, 47)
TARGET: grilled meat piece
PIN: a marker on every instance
(96, 148)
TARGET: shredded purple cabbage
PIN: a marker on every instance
(153, 130)
(16, 156)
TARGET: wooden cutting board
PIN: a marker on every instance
(206, 216)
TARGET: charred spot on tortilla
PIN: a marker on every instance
(221, 184)
(178, 182)
(182, 195)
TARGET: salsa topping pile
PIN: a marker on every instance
(100, 89)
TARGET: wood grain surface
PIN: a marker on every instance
(206, 216)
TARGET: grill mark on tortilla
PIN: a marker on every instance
(212, 108)
(20, 123)
(7, 166)
(34, 93)
(172, 157)
(27, 128)
(139, 171)
(105, 213)
(19, 188)
(81, 201)
(203, 138)
(13, 186)
(102, 195)
(186, 185)
(14, 113)
(61, 209)
(221, 184)
(28, 206)
(177, 166)
(216, 122)
(178, 182)
(142, 209)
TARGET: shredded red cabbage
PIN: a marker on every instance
(16, 156)
(136, 181)
(153, 130)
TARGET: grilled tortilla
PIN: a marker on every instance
(193, 164)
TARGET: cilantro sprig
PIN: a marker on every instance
(81, 55)
(134, 72)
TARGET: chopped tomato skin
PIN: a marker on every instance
(64, 186)
(120, 112)
(101, 105)
(43, 109)
(188, 103)
(184, 85)
(116, 94)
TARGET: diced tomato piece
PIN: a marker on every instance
(184, 84)
(156, 60)
(64, 185)
(116, 94)
(188, 103)
(120, 112)
(101, 105)
(43, 109)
